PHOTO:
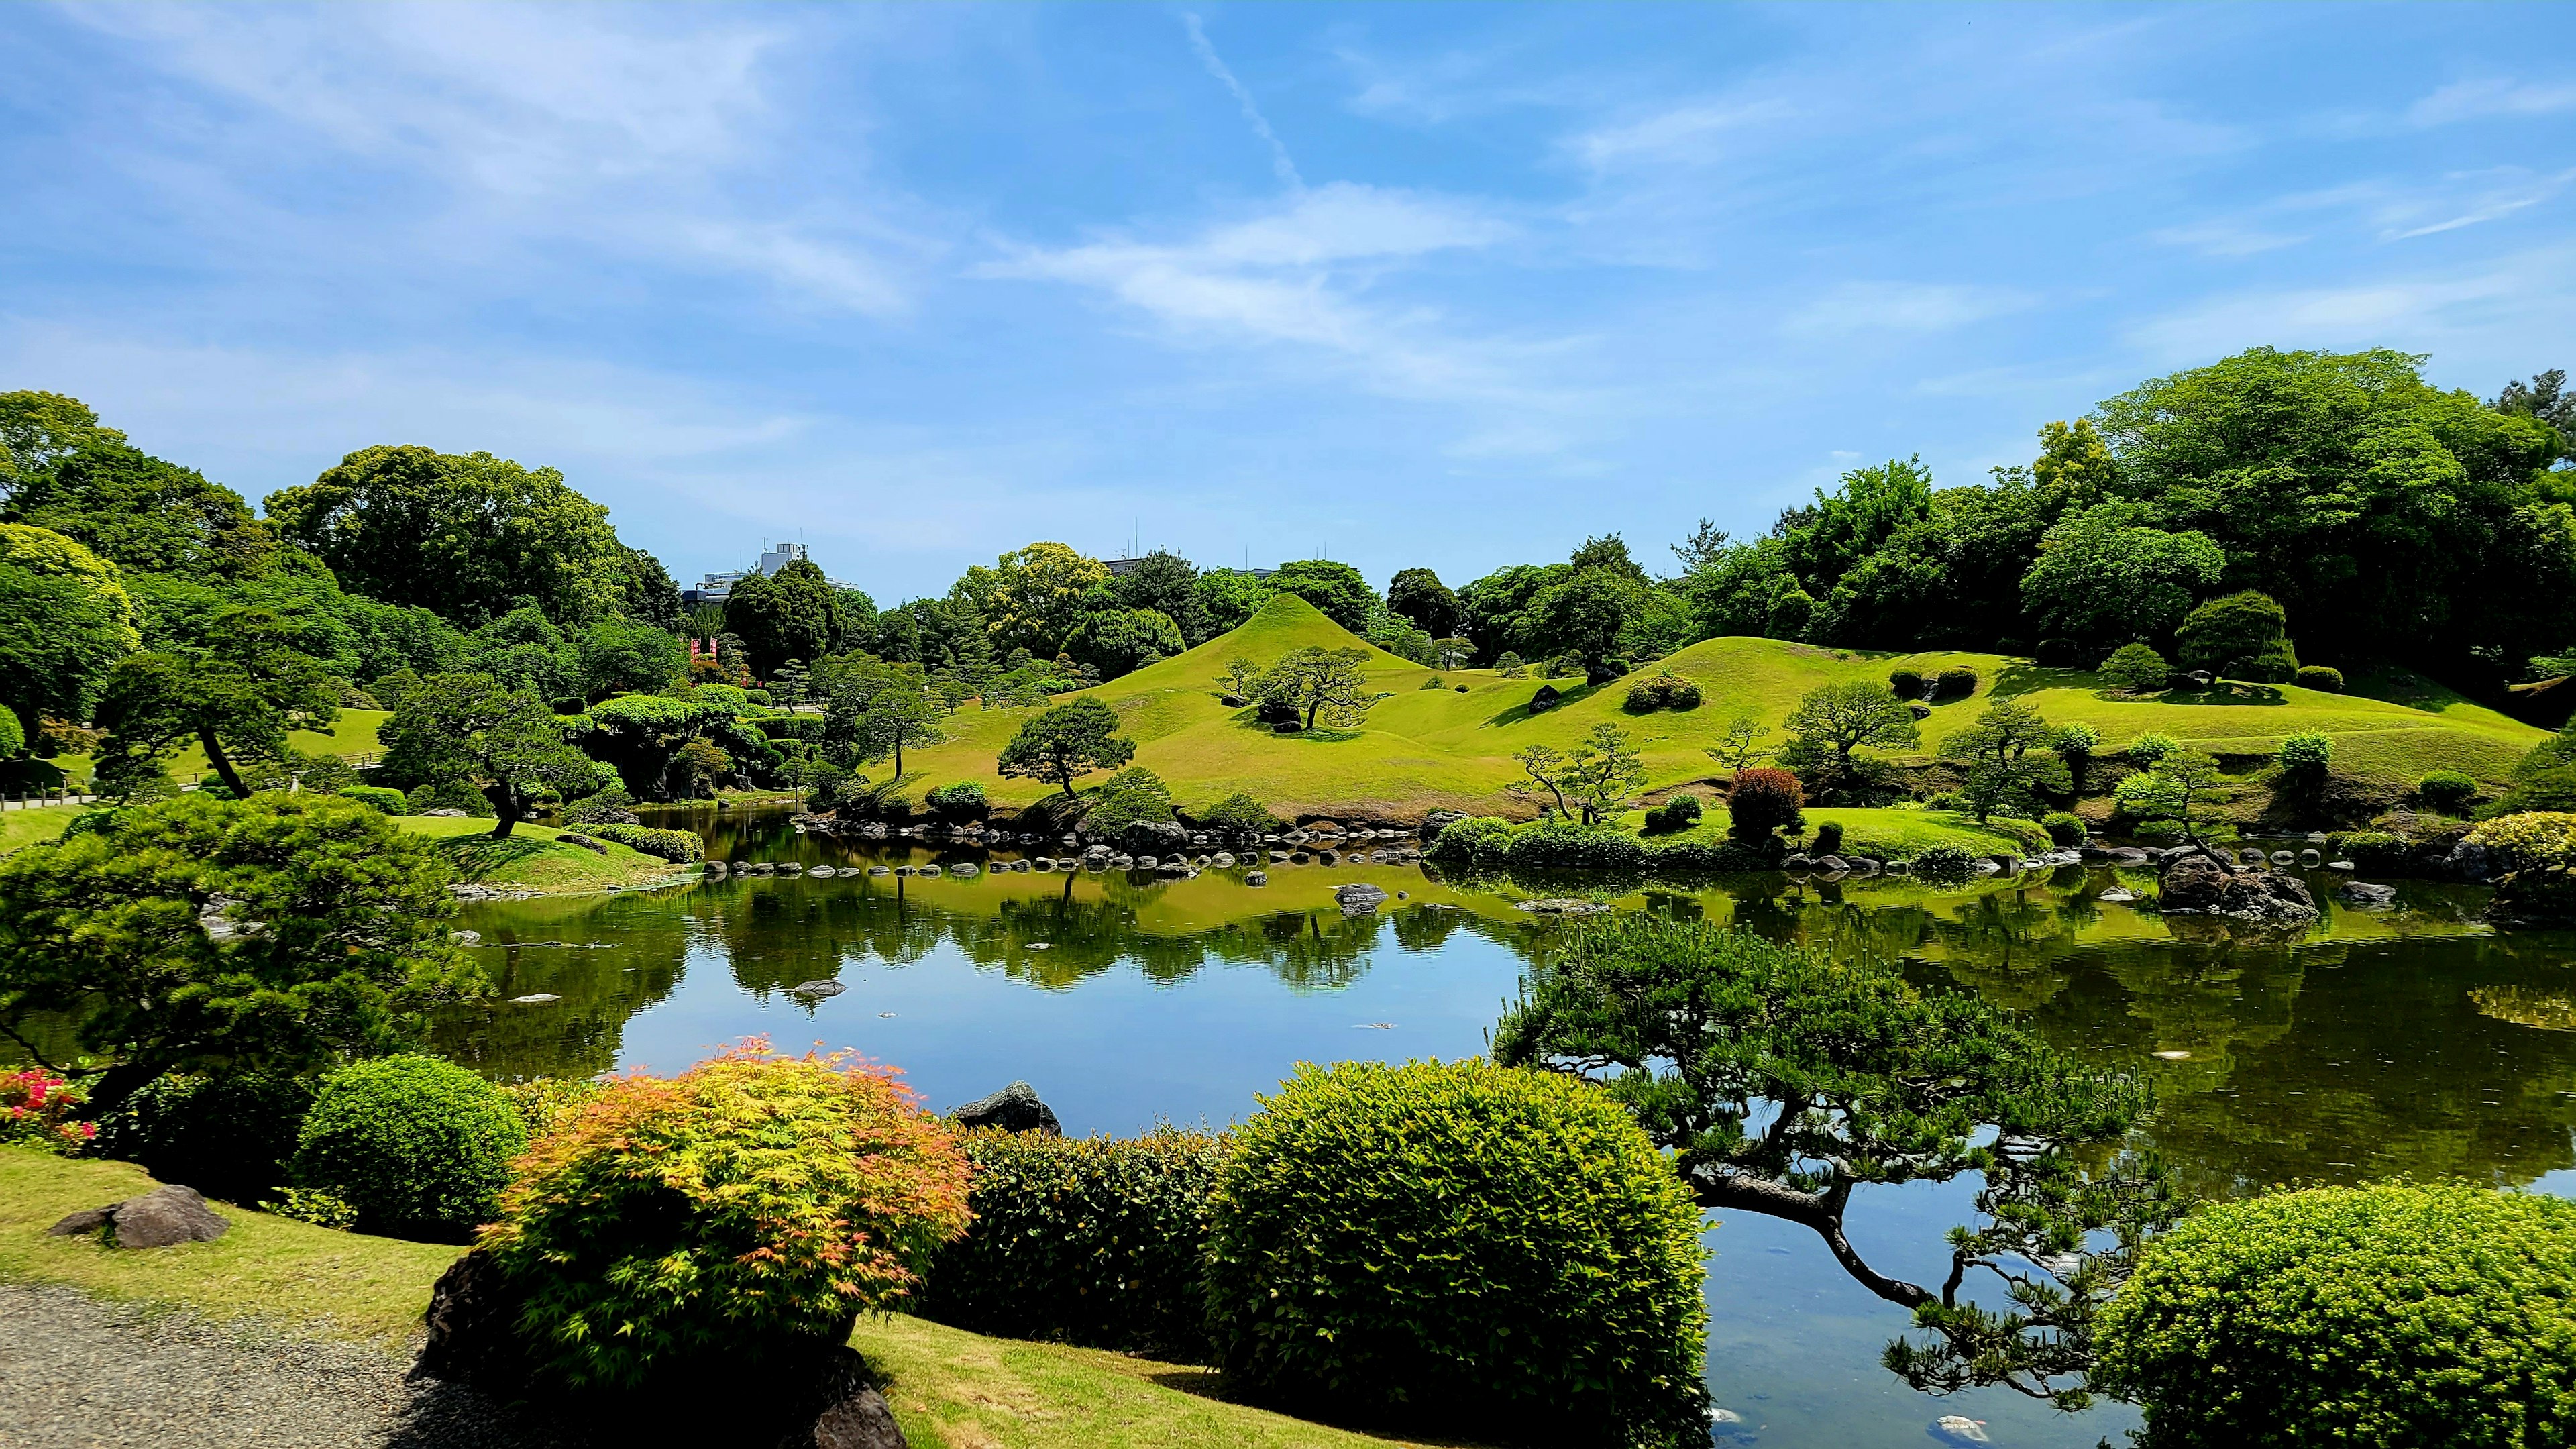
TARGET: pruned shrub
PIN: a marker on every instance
(1664, 691)
(1095, 1241)
(2306, 753)
(1238, 814)
(1829, 839)
(1944, 862)
(1131, 795)
(2064, 827)
(2136, 669)
(611, 806)
(2374, 850)
(2152, 749)
(1569, 845)
(390, 802)
(1674, 816)
(1689, 858)
(2320, 676)
(1376, 1226)
(2448, 791)
(676, 846)
(2157, 832)
(958, 804)
(753, 1200)
(807, 727)
(228, 1137)
(417, 1146)
(1475, 843)
(2532, 840)
(2431, 1316)
(1761, 801)
(1957, 682)
(1905, 683)
(450, 795)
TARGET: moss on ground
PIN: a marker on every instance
(949, 1389)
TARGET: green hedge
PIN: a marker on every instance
(418, 1146)
(677, 846)
(1238, 814)
(1706, 857)
(1093, 1241)
(1492, 1252)
(1565, 845)
(806, 727)
(2422, 1316)
(1476, 843)
(227, 1137)
(391, 802)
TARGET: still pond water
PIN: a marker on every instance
(2384, 1042)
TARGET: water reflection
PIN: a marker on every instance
(2377, 1042)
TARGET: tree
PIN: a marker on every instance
(1167, 584)
(2075, 469)
(2136, 669)
(65, 620)
(272, 934)
(1318, 681)
(141, 513)
(791, 685)
(1241, 678)
(1335, 588)
(1997, 750)
(1452, 653)
(2075, 743)
(237, 698)
(1490, 608)
(1066, 743)
(2106, 573)
(2245, 634)
(524, 650)
(457, 534)
(1583, 614)
(1229, 598)
(1545, 768)
(647, 594)
(616, 655)
(37, 431)
(503, 741)
(1037, 594)
(1736, 749)
(1870, 506)
(1120, 641)
(792, 614)
(1849, 716)
(874, 709)
(2546, 398)
(702, 765)
(1603, 770)
(1783, 1081)
(2177, 788)
(1419, 596)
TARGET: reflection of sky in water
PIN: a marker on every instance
(2338, 1061)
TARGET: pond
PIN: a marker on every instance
(2411, 1040)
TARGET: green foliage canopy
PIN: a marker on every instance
(1066, 743)
(504, 741)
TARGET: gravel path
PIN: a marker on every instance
(78, 1373)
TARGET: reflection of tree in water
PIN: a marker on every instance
(581, 1033)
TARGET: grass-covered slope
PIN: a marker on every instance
(1424, 749)
(949, 1389)
(533, 859)
(33, 827)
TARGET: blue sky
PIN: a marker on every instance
(1442, 285)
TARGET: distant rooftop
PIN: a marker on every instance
(716, 588)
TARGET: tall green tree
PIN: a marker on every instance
(1335, 588)
(2245, 634)
(1843, 718)
(1583, 614)
(647, 594)
(1066, 743)
(458, 534)
(1319, 683)
(1229, 598)
(65, 620)
(1419, 596)
(274, 934)
(503, 741)
(141, 513)
(1118, 641)
(1867, 508)
(2107, 575)
(237, 698)
(1035, 596)
(874, 709)
(1784, 1083)
(1165, 583)
(792, 614)
(37, 431)
(617, 655)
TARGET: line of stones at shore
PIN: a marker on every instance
(1165, 849)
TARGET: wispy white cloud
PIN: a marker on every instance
(1216, 66)
(2477, 99)
(1859, 307)
(2517, 191)
(2523, 296)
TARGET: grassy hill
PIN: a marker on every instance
(1423, 749)
(533, 859)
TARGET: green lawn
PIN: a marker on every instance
(532, 859)
(1423, 749)
(949, 1389)
(1898, 834)
(352, 737)
(28, 827)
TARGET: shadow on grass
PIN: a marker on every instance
(477, 856)
(2015, 679)
(1208, 1383)
(1564, 697)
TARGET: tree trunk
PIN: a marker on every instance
(506, 806)
(223, 764)
(117, 1084)
(1821, 1214)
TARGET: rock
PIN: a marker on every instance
(534, 998)
(1256, 878)
(2116, 896)
(1330, 857)
(1223, 860)
(466, 938)
(1154, 837)
(165, 1216)
(471, 1315)
(817, 989)
(2366, 895)
(858, 1421)
(1546, 699)
(598, 847)
(2311, 858)
(1147, 862)
(1358, 898)
(1015, 1108)
(880, 870)
(1832, 862)
(2340, 865)
(965, 870)
(1800, 861)
(1918, 709)
(2468, 862)
(2284, 859)
(932, 871)
(2251, 856)
(1280, 857)
(442, 815)
(821, 872)
(1439, 820)
(2203, 885)
(1123, 862)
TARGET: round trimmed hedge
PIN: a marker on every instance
(1475, 843)
(2423, 1316)
(1491, 1250)
(420, 1147)
(1569, 845)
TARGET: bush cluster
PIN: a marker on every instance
(1133, 794)
(2136, 669)
(2158, 832)
(1239, 814)
(1829, 839)
(450, 795)
(2532, 840)
(1474, 1246)
(39, 1109)
(1905, 683)
(1570, 845)
(391, 802)
(2372, 849)
(1761, 801)
(1957, 682)
(958, 804)
(228, 1137)
(611, 806)
(806, 727)
(1664, 691)
(2448, 791)
(2064, 827)
(1944, 862)
(1674, 816)
(1476, 843)
(2429, 1316)
(676, 846)
(416, 1146)
(750, 1201)
(2307, 752)
(1685, 858)
(2152, 749)
(2320, 677)
(1092, 1241)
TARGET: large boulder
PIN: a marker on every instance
(2200, 884)
(157, 1219)
(1359, 898)
(1439, 820)
(1015, 1108)
(2364, 894)
(1154, 837)
(1546, 699)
